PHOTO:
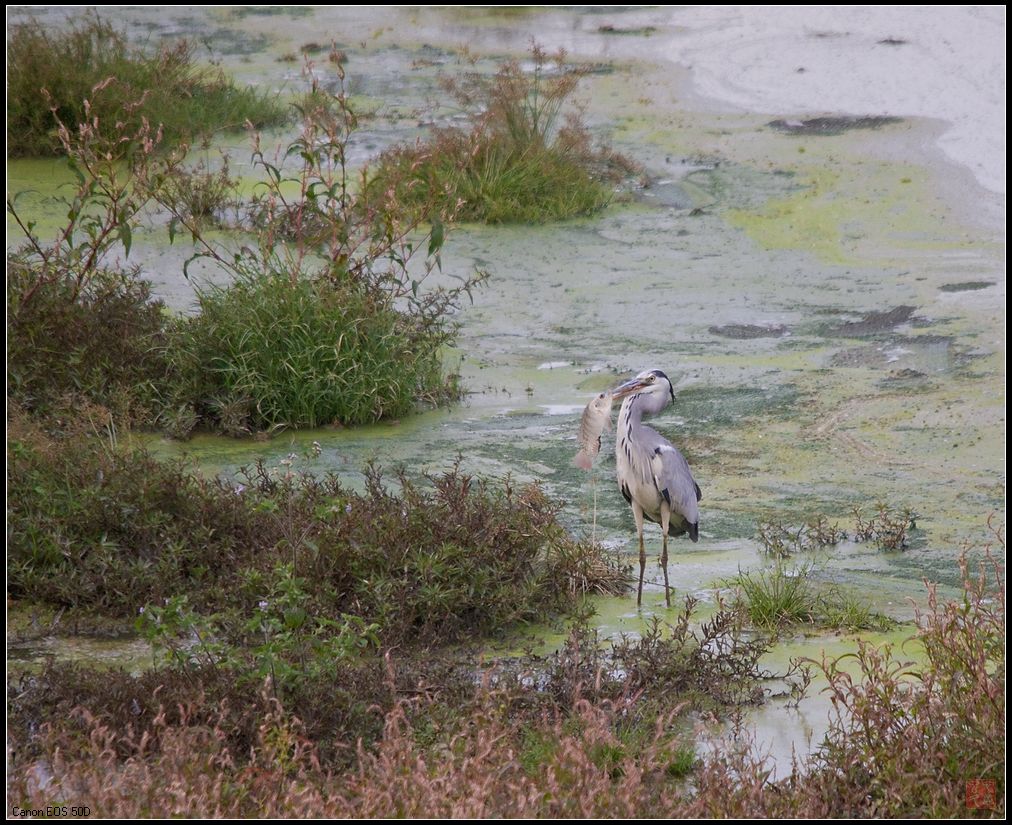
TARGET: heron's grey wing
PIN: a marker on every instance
(674, 481)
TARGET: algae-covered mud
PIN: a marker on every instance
(822, 282)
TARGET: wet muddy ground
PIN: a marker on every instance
(826, 293)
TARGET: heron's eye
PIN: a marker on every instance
(651, 379)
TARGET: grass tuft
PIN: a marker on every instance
(52, 77)
(522, 161)
(781, 596)
(266, 352)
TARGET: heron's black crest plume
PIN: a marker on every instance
(671, 389)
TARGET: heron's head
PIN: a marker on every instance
(653, 383)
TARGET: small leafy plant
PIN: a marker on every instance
(781, 540)
(888, 527)
(200, 193)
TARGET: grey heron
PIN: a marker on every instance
(653, 476)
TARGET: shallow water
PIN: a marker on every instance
(121, 652)
(821, 237)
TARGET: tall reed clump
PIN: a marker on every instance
(327, 317)
(52, 77)
(524, 159)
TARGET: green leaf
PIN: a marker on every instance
(436, 237)
(126, 237)
(72, 165)
(188, 261)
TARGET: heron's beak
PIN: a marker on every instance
(628, 388)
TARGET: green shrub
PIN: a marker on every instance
(51, 75)
(301, 353)
(516, 164)
(102, 341)
(335, 688)
(115, 530)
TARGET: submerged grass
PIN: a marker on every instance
(52, 77)
(781, 596)
(781, 540)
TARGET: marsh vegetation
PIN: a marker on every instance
(589, 731)
(526, 155)
(785, 597)
(325, 317)
(54, 76)
(326, 648)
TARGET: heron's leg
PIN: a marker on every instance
(638, 515)
(665, 520)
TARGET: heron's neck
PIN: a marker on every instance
(640, 404)
(632, 410)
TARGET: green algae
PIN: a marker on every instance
(127, 653)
